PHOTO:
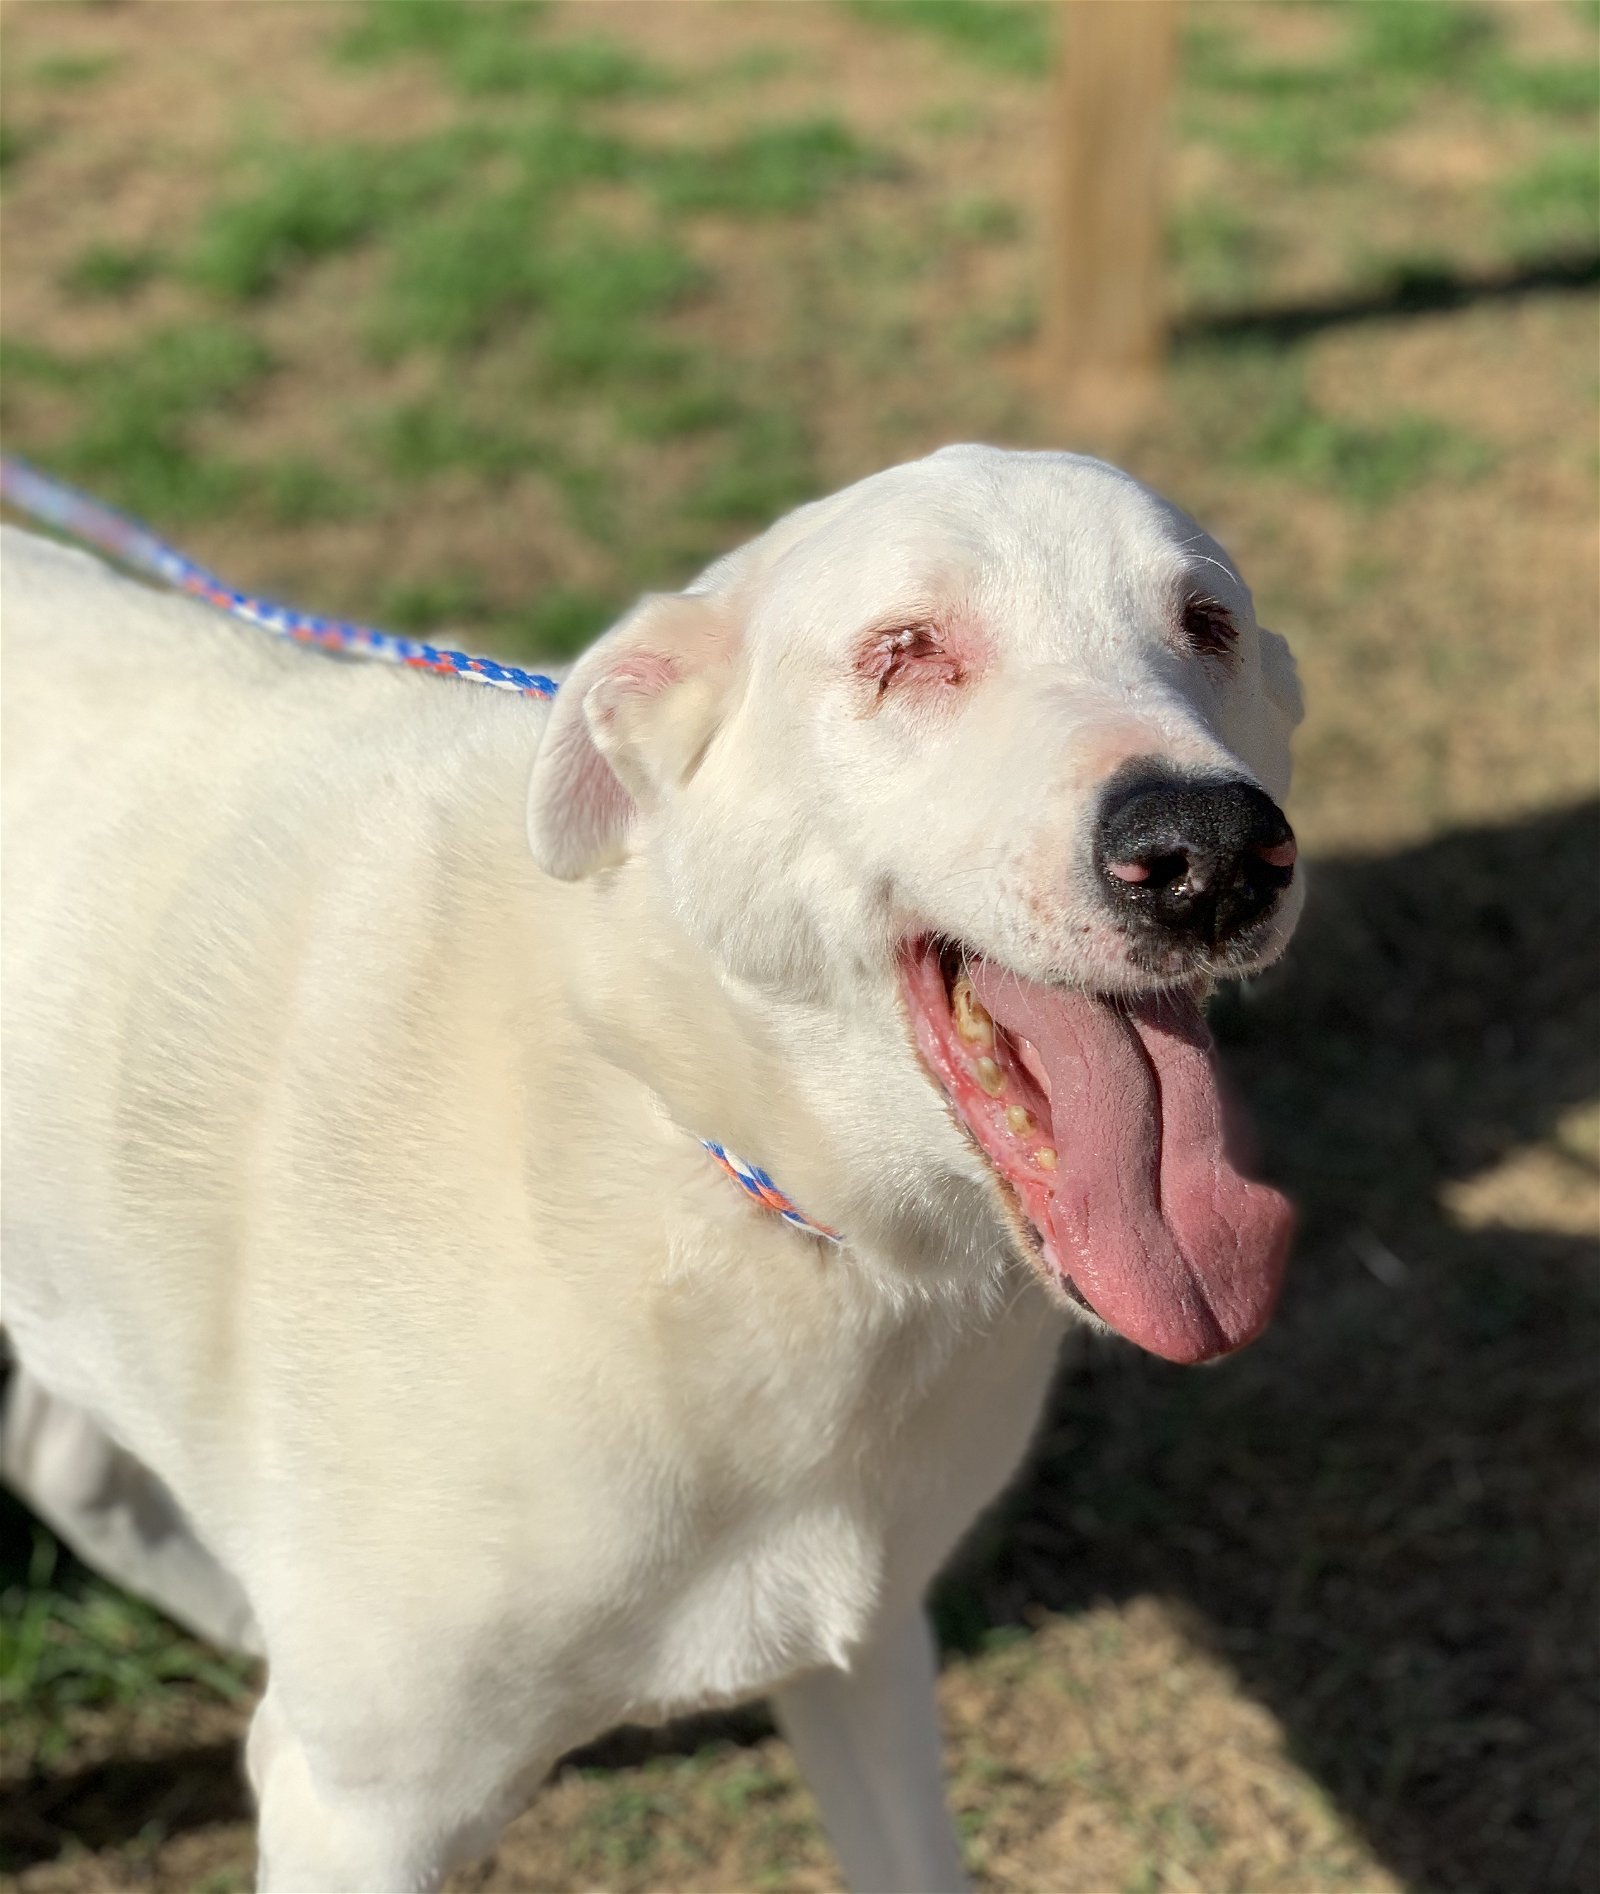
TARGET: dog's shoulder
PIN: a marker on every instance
(73, 621)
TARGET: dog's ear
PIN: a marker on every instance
(1279, 708)
(629, 724)
(1281, 677)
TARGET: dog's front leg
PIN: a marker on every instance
(868, 1741)
(331, 1821)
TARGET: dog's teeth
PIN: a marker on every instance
(990, 1077)
(972, 1020)
(1019, 1118)
(1045, 1158)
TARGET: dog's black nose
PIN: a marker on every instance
(1192, 858)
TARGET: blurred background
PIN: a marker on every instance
(481, 319)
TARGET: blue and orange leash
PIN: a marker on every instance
(76, 515)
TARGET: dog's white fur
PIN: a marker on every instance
(360, 1031)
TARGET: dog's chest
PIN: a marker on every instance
(796, 1591)
(781, 1566)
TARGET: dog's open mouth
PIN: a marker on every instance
(1104, 1124)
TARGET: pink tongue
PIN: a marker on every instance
(1165, 1239)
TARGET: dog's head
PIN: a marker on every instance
(970, 774)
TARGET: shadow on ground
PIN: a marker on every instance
(1412, 291)
(1383, 1514)
(132, 1798)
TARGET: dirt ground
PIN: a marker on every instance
(1324, 1617)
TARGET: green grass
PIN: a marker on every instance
(1306, 119)
(1299, 121)
(455, 277)
(1555, 202)
(999, 326)
(298, 491)
(1009, 36)
(449, 600)
(600, 293)
(560, 620)
(485, 259)
(1250, 404)
(135, 440)
(1546, 88)
(766, 468)
(109, 271)
(423, 438)
(776, 170)
(694, 401)
(556, 153)
(442, 30)
(1367, 464)
(756, 66)
(981, 219)
(1219, 254)
(132, 437)
(458, 279)
(315, 201)
(572, 70)
(66, 72)
(484, 48)
(136, 410)
(31, 364)
(1435, 40)
(69, 1643)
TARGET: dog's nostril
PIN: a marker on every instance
(1158, 871)
(1197, 859)
(1154, 871)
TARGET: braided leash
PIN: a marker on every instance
(754, 1180)
(54, 504)
(135, 546)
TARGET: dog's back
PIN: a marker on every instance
(182, 793)
(94, 660)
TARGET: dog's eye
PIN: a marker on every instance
(909, 650)
(1208, 629)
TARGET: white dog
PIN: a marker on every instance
(377, 1301)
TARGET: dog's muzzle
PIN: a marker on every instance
(1192, 861)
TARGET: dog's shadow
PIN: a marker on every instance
(1383, 1514)
(1380, 1514)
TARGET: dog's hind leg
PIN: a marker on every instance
(868, 1741)
(115, 1514)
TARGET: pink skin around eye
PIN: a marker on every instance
(921, 656)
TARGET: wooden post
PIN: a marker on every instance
(1105, 311)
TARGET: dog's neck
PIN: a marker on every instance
(807, 1090)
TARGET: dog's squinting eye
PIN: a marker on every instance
(1208, 629)
(907, 651)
